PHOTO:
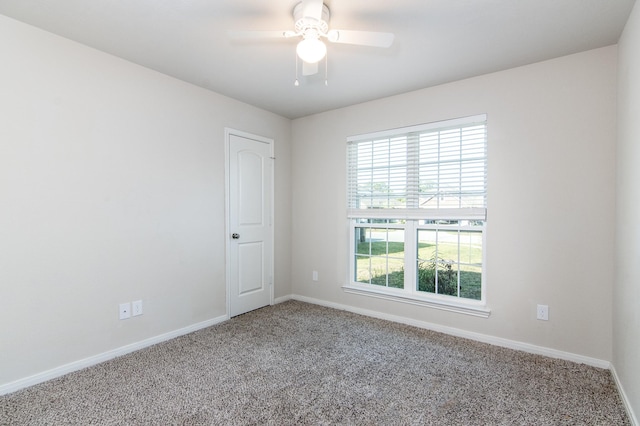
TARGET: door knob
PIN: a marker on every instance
(235, 236)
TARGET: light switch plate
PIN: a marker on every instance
(543, 312)
(136, 308)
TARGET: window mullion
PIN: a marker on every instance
(386, 260)
(410, 257)
(437, 255)
(413, 202)
(458, 268)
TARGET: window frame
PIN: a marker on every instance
(411, 226)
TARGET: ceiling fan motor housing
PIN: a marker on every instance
(311, 26)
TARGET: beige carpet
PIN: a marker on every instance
(296, 363)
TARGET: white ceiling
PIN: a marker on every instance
(436, 41)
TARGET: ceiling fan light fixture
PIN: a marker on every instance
(311, 50)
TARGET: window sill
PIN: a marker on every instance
(472, 309)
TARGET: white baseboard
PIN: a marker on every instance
(497, 341)
(625, 400)
(105, 356)
(281, 299)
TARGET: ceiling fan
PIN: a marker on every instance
(311, 18)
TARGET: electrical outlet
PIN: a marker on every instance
(543, 312)
(125, 310)
(315, 275)
(136, 308)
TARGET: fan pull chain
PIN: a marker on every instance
(296, 82)
(326, 69)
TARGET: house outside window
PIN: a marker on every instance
(417, 211)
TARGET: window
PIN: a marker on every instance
(417, 211)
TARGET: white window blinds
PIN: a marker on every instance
(436, 170)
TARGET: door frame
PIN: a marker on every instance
(228, 132)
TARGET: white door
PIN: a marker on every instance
(249, 219)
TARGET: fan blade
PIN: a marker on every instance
(362, 38)
(255, 35)
(312, 9)
(309, 69)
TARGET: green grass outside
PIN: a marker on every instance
(382, 253)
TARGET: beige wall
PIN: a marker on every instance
(551, 154)
(626, 312)
(111, 190)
